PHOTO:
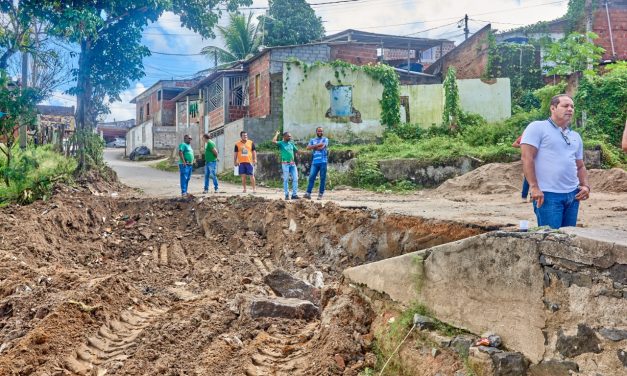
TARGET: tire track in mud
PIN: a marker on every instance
(113, 343)
(281, 353)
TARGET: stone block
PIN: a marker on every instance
(461, 344)
(480, 363)
(509, 364)
(553, 367)
(613, 334)
(287, 286)
(423, 322)
(286, 308)
(585, 341)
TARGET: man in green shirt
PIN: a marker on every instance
(186, 163)
(211, 162)
(288, 164)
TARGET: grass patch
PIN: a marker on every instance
(33, 173)
(166, 165)
(387, 342)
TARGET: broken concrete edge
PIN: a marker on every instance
(576, 248)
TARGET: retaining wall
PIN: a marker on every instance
(553, 296)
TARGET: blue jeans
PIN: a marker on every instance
(186, 174)
(558, 209)
(290, 170)
(315, 168)
(210, 172)
(525, 188)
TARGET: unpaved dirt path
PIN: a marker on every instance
(604, 209)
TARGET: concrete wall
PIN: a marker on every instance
(492, 101)
(164, 138)
(550, 295)
(140, 135)
(306, 100)
(305, 53)
(426, 102)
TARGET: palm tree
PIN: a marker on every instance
(241, 39)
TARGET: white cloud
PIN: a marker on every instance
(58, 98)
(123, 110)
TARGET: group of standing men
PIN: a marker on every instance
(552, 156)
(245, 159)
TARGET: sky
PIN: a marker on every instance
(420, 18)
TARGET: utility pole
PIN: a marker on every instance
(23, 134)
(466, 30)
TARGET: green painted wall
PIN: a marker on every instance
(492, 101)
(426, 104)
(306, 101)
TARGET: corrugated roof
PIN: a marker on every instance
(55, 110)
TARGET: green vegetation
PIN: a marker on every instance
(518, 62)
(452, 105)
(166, 165)
(604, 98)
(574, 53)
(33, 173)
(290, 22)
(241, 38)
(387, 341)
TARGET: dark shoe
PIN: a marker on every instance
(307, 196)
(295, 197)
(287, 197)
(205, 192)
(320, 196)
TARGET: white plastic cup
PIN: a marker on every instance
(524, 226)
(236, 170)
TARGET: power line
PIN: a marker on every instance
(433, 28)
(173, 54)
(496, 22)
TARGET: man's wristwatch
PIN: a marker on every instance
(585, 185)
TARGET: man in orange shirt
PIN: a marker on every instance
(245, 157)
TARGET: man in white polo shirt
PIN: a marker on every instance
(552, 156)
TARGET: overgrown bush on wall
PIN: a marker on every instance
(604, 98)
(452, 105)
(383, 73)
(519, 63)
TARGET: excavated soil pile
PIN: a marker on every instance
(487, 179)
(507, 178)
(92, 285)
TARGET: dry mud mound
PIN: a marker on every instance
(91, 285)
(614, 180)
(487, 179)
(507, 178)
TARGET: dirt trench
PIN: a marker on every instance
(93, 285)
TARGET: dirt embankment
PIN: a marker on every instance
(92, 284)
(497, 178)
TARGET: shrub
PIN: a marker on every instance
(33, 174)
(604, 99)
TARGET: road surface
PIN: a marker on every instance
(603, 210)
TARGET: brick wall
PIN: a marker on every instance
(469, 58)
(237, 112)
(355, 53)
(618, 18)
(259, 106)
(216, 118)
